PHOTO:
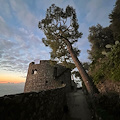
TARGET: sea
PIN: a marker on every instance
(11, 88)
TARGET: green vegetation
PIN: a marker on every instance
(105, 49)
(108, 68)
(105, 64)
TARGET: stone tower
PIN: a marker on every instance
(45, 76)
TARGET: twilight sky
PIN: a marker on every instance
(20, 38)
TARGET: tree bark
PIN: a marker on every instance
(87, 81)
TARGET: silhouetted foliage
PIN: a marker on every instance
(56, 23)
(115, 20)
(105, 49)
(99, 37)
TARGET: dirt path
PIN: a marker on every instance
(78, 107)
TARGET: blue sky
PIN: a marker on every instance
(20, 38)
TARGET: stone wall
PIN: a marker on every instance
(63, 76)
(45, 76)
(44, 105)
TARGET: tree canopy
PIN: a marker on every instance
(99, 37)
(105, 49)
(57, 25)
(115, 20)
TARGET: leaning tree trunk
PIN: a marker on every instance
(87, 81)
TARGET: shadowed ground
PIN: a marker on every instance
(78, 107)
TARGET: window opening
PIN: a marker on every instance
(46, 82)
(35, 71)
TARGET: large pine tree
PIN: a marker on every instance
(61, 30)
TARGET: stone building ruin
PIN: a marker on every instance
(45, 76)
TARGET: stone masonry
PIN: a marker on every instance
(45, 76)
(43, 105)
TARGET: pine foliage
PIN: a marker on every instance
(57, 23)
